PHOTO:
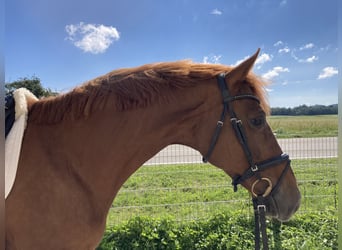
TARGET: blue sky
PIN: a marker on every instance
(66, 43)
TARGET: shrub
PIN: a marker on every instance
(222, 231)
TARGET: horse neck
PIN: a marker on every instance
(106, 148)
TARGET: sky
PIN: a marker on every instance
(66, 43)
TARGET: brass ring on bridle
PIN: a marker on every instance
(268, 189)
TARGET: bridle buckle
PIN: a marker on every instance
(254, 168)
(259, 207)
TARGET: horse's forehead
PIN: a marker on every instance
(245, 87)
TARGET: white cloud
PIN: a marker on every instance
(216, 12)
(307, 46)
(327, 72)
(263, 58)
(307, 60)
(274, 72)
(279, 43)
(215, 59)
(92, 38)
(284, 50)
(311, 59)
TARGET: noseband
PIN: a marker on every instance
(254, 168)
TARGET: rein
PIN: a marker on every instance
(259, 200)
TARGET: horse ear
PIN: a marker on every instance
(239, 73)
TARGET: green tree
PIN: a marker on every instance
(33, 84)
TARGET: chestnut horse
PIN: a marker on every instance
(80, 147)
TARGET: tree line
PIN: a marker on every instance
(35, 86)
(307, 110)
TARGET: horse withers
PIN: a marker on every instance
(80, 147)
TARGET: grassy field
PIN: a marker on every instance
(191, 191)
(197, 190)
(304, 126)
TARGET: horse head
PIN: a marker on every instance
(244, 146)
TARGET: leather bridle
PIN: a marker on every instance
(259, 200)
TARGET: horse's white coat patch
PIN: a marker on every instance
(15, 136)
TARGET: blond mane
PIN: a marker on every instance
(132, 88)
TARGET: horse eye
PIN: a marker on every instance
(258, 122)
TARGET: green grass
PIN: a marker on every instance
(199, 190)
(304, 126)
(224, 230)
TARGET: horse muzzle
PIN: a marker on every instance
(283, 204)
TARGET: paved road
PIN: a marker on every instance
(297, 148)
